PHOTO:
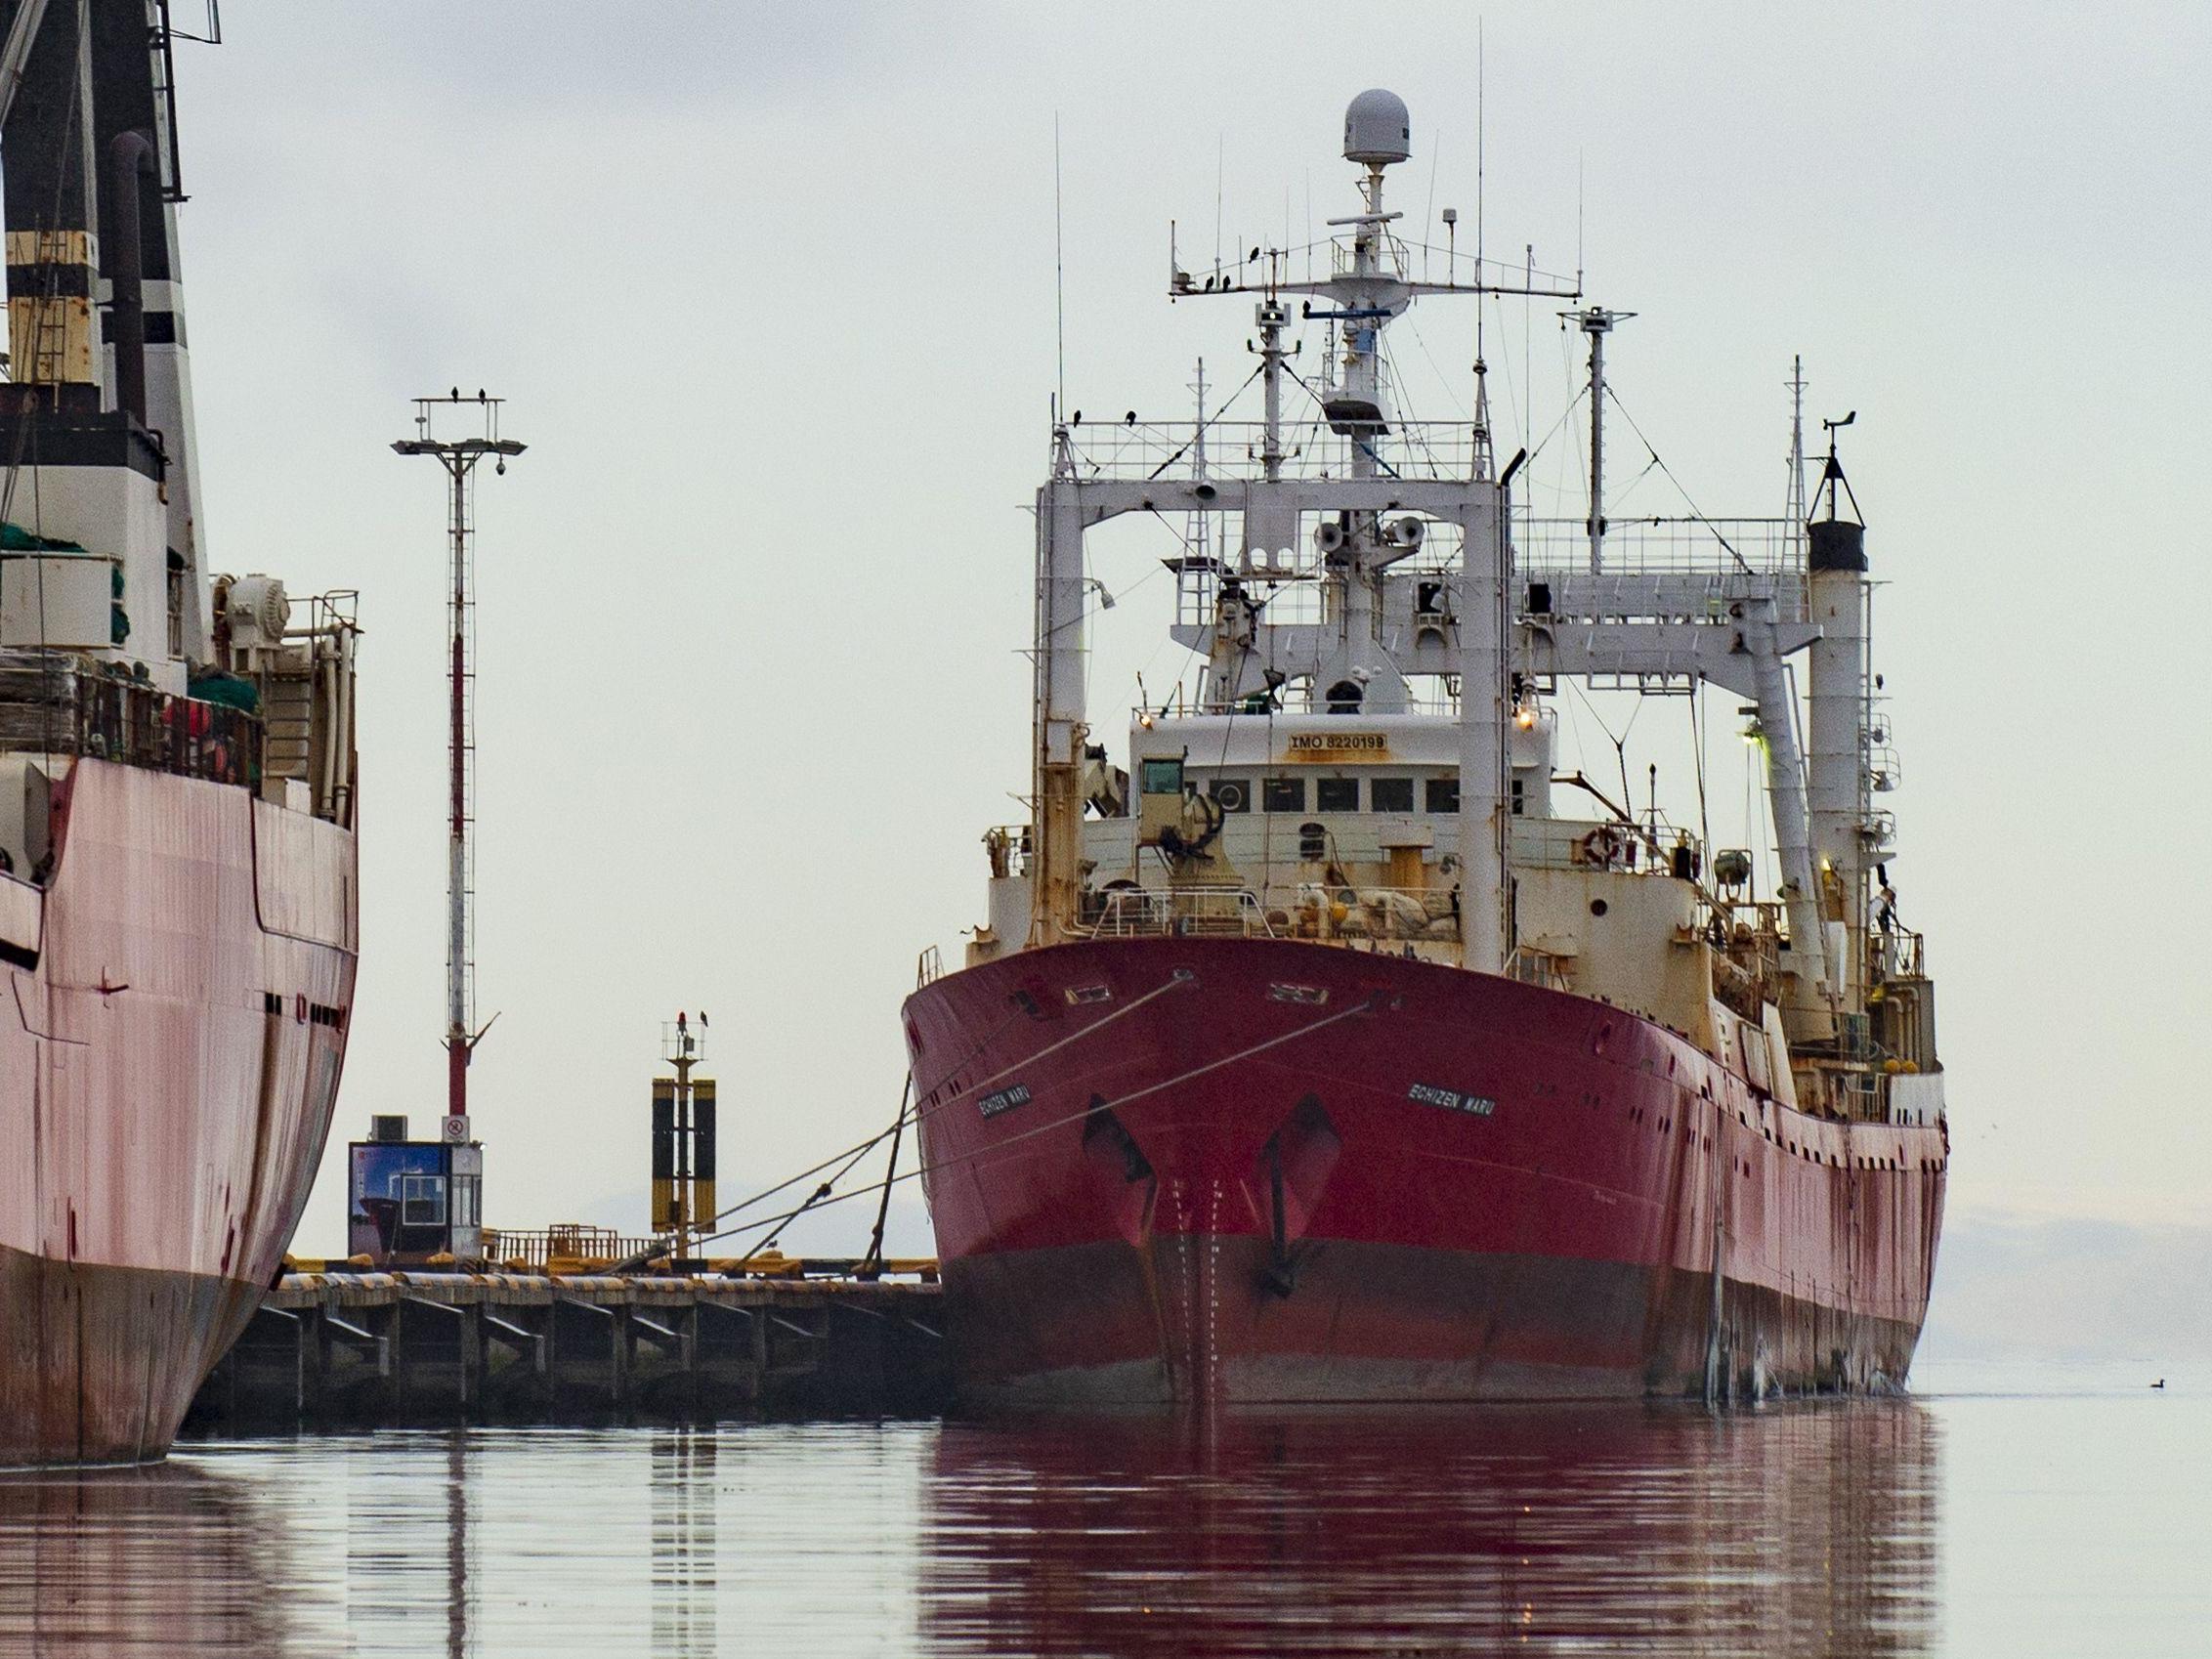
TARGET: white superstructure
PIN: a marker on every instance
(1370, 758)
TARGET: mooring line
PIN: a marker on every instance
(1372, 1003)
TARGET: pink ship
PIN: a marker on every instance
(177, 893)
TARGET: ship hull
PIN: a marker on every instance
(1298, 1172)
(170, 1049)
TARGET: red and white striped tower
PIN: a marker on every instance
(459, 457)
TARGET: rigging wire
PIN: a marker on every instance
(1208, 425)
(1620, 744)
(1696, 512)
(766, 1193)
(775, 1228)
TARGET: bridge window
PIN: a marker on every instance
(1390, 794)
(1231, 794)
(1283, 794)
(1443, 794)
(1336, 794)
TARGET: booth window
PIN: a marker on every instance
(422, 1201)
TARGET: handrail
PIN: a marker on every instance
(50, 703)
(1131, 911)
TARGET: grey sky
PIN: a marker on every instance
(770, 291)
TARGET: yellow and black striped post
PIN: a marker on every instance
(683, 1139)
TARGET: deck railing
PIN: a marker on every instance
(1311, 911)
(51, 704)
(1648, 546)
(533, 1250)
(1125, 912)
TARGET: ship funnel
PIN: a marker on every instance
(1378, 131)
(1835, 544)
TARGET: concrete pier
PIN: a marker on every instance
(370, 1350)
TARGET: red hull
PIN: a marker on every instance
(1299, 1172)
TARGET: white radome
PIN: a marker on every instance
(1377, 130)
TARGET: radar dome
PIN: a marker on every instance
(1378, 131)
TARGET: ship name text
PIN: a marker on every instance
(1452, 1100)
(1005, 1100)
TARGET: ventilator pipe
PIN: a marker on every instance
(129, 157)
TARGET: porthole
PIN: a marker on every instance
(1597, 907)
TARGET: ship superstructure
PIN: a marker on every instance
(1338, 1046)
(177, 893)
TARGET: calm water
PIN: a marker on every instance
(1996, 1512)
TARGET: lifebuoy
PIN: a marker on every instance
(1602, 847)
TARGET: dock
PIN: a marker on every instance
(371, 1350)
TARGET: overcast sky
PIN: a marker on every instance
(770, 290)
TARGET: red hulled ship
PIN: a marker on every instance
(1320, 1053)
(177, 893)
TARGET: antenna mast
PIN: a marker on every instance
(1795, 509)
(1598, 322)
(1485, 460)
(1060, 276)
(460, 457)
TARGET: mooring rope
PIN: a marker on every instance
(924, 1106)
(824, 1199)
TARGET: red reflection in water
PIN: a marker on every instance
(1807, 1529)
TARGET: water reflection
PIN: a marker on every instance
(1791, 1530)
(171, 1559)
(1800, 1530)
(685, 1496)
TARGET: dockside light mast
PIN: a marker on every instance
(459, 457)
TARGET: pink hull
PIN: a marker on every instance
(1298, 1172)
(170, 1049)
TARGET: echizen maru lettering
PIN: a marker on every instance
(1005, 1100)
(1452, 1100)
